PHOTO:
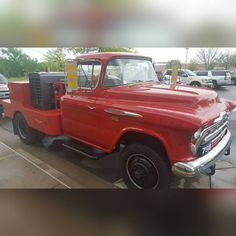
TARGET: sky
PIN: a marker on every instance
(157, 54)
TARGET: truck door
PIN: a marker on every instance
(183, 77)
(79, 107)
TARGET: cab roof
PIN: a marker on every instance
(110, 55)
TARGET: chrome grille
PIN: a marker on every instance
(211, 135)
(4, 94)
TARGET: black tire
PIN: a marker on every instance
(215, 85)
(196, 84)
(25, 133)
(144, 168)
(56, 146)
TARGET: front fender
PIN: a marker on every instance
(163, 139)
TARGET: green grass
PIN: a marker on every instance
(18, 79)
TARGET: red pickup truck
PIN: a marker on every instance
(120, 106)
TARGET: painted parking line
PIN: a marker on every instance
(120, 184)
(38, 164)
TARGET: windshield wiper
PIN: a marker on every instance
(136, 81)
(145, 81)
(151, 80)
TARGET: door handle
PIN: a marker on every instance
(91, 107)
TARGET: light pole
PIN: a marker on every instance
(186, 59)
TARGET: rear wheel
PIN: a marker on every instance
(144, 168)
(196, 84)
(25, 133)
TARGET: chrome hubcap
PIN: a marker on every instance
(142, 171)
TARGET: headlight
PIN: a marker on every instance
(194, 140)
(193, 149)
(197, 134)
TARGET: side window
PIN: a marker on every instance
(202, 73)
(168, 72)
(218, 73)
(182, 74)
(88, 74)
(113, 75)
(3, 80)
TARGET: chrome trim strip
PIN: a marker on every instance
(197, 166)
(216, 133)
(223, 115)
(213, 127)
(122, 112)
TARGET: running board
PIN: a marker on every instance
(85, 151)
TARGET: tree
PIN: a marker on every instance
(233, 60)
(226, 59)
(55, 59)
(96, 49)
(208, 56)
(192, 65)
(82, 50)
(116, 50)
(15, 63)
(172, 62)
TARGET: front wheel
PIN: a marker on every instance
(196, 84)
(144, 168)
(215, 85)
(25, 133)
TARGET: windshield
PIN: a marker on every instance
(128, 71)
(190, 73)
(3, 80)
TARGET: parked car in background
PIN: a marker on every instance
(233, 77)
(190, 78)
(4, 90)
(219, 77)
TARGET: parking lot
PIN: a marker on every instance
(23, 166)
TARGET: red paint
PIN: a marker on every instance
(170, 113)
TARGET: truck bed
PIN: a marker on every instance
(48, 122)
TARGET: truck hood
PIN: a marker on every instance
(200, 103)
(168, 94)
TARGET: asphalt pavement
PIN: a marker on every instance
(24, 166)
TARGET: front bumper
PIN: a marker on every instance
(208, 84)
(198, 166)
